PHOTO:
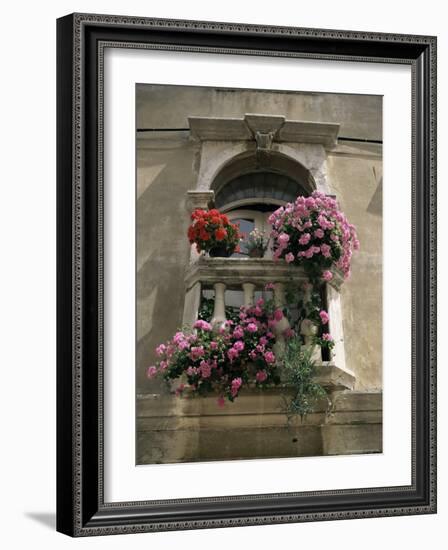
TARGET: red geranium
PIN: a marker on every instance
(220, 234)
(211, 229)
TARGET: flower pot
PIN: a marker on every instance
(256, 253)
(220, 252)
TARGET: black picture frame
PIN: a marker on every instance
(81, 510)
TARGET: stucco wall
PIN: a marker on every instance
(167, 162)
(359, 116)
(356, 179)
(164, 175)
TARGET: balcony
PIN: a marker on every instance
(248, 275)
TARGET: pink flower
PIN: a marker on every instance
(310, 252)
(238, 332)
(263, 341)
(305, 239)
(269, 357)
(221, 401)
(178, 337)
(213, 345)
(322, 221)
(151, 372)
(206, 369)
(235, 386)
(260, 302)
(269, 286)
(324, 317)
(258, 311)
(261, 376)
(326, 250)
(203, 325)
(191, 371)
(289, 257)
(232, 354)
(327, 337)
(183, 344)
(196, 352)
(289, 333)
(283, 239)
(310, 202)
(278, 315)
(251, 327)
(319, 233)
(253, 355)
(160, 350)
(327, 275)
(238, 345)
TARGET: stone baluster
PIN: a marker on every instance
(219, 311)
(249, 290)
(309, 331)
(283, 324)
(192, 304)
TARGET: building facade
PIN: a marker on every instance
(247, 152)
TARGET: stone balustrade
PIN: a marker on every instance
(251, 274)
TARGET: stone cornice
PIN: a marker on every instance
(259, 126)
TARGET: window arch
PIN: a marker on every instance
(258, 187)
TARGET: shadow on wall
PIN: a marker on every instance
(162, 255)
(375, 206)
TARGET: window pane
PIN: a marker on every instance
(246, 226)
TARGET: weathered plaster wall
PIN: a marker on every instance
(164, 176)
(355, 175)
(359, 116)
(167, 167)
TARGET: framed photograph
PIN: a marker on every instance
(246, 274)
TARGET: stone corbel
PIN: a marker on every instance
(264, 140)
(198, 199)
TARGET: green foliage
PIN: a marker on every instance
(306, 309)
(206, 311)
(299, 369)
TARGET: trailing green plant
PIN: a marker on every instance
(298, 370)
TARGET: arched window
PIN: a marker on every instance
(249, 219)
(258, 187)
(250, 198)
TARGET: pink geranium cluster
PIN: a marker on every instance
(225, 360)
(313, 232)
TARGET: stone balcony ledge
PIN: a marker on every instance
(251, 399)
(236, 271)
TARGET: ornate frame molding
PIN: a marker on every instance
(81, 42)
